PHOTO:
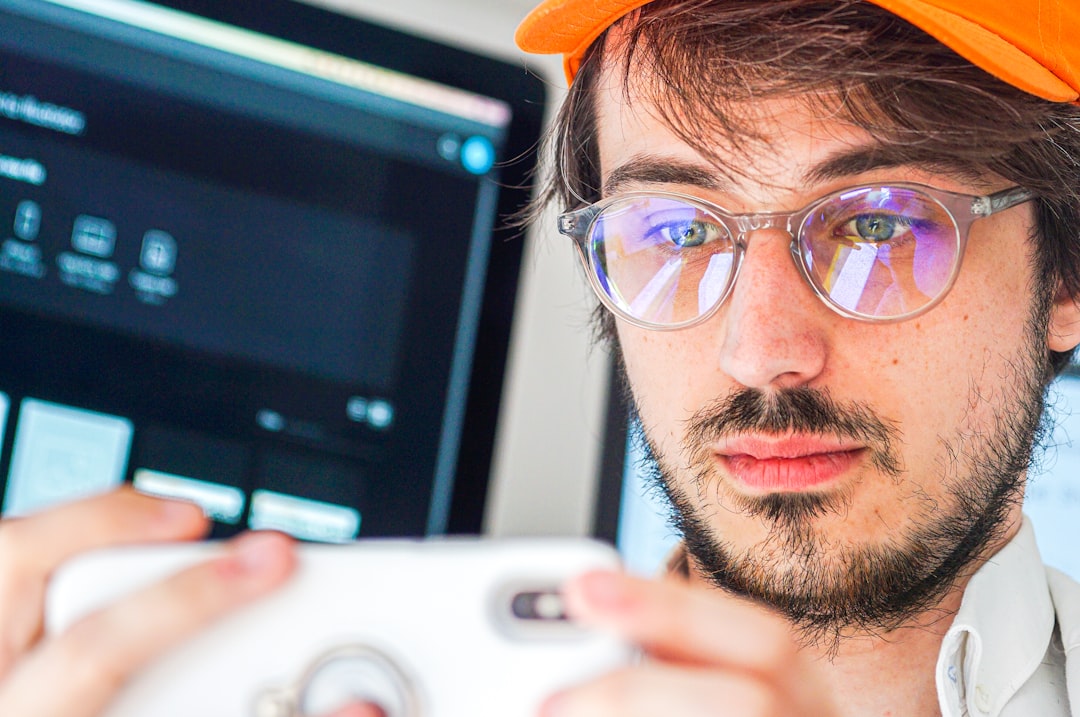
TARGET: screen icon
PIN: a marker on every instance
(356, 409)
(478, 155)
(158, 255)
(4, 403)
(449, 147)
(303, 518)
(270, 420)
(375, 412)
(93, 236)
(380, 414)
(27, 220)
(62, 453)
(219, 502)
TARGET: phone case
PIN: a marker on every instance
(429, 628)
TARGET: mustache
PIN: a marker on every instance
(794, 410)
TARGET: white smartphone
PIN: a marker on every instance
(454, 627)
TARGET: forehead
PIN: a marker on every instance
(772, 139)
(783, 138)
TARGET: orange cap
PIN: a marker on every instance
(1034, 46)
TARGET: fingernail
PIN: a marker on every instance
(554, 706)
(605, 590)
(254, 552)
(365, 710)
(178, 511)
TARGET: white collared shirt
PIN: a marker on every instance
(1004, 655)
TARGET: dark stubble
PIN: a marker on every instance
(828, 591)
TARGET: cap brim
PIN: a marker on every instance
(569, 27)
(984, 48)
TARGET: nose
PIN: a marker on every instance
(774, 326)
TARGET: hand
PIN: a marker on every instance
(705, 654)
(359, 711)
(77, 673)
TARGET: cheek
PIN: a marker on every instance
(671, 377)
(953, 367)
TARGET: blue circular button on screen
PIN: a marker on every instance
(477, 155)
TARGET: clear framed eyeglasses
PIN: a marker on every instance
(877, 252)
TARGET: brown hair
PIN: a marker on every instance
(921, 101)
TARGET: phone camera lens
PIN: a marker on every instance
(543, 605)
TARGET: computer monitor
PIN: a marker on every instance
(255, 255)
(634, 515)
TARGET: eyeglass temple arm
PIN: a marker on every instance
(998, 201)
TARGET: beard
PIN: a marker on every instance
(828, 590)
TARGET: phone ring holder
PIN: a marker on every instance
(340, 676)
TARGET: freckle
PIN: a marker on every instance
(895, 362)
(965, 317)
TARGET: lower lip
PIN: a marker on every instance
(790, 474)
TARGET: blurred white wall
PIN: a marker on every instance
(548, 449)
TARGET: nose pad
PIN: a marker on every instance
(766, 220)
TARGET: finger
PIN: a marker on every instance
(364, 710)
(660, 689)
(122, 516)
(32, 547)
(678, 622)
(99, 653)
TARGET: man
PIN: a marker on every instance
(838, 264)
(773, 198)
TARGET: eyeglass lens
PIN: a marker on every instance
(875, 252)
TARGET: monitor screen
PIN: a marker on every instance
(255, 255)
(633, 513)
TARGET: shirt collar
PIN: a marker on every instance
(1001, 632)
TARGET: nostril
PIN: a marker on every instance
(770, 355)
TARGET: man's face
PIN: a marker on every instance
(845, 471)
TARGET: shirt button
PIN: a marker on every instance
(982, 699)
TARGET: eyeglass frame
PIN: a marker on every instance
(578, 225)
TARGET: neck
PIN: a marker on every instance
(892, 674)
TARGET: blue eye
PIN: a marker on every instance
(688, 234)
(877, 227)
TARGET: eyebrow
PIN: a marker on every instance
(858, 160)
(652, 169)
(851, 162)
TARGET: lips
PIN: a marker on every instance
(793, 463)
